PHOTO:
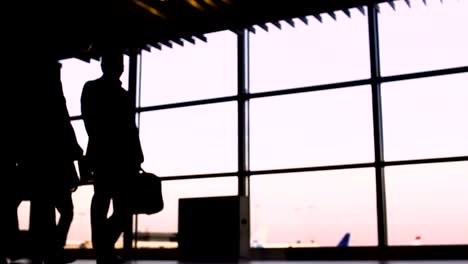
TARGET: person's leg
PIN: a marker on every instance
(116, 224)
(42, 228)
(64, 205)
(99, 227)
(9, 226)
(120, 218)
(15, 242)
(9, 202)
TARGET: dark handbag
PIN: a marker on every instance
(145, 196)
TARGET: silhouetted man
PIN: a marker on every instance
(67, 182)
(46, 146)
(113, 153)
(9, 202)
(9, 192)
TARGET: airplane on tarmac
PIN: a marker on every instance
(258, 243)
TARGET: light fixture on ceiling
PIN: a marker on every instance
(150, 9)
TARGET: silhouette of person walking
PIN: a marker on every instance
(68, 181)
(46, 147)
(9, 202)
(113, 153)
(64, 204)
(10, 188)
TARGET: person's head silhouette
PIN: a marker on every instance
(112, 64)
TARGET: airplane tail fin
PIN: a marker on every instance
(345, 240)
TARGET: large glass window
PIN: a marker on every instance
(312, 209)
(318, 53)
(163, 225)
(312, 129)
(427, 204)
(422, 118)
(75, 73)
(425, 118)
(195, 71)
(423, 37)
(190, 140)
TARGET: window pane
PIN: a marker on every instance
(425, 118)
(428, 201)
(23, 215)
(318, 53)
(312, 129)
(165, 222)
(190, 140)
(75, 73)
(314, 209)
(79, 235)
(200, 71)
(422, 37)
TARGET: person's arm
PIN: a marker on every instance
(135, 132)
(75, 148)
(75, 151)
(88, 110)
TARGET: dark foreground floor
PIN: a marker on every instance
(292, 262)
